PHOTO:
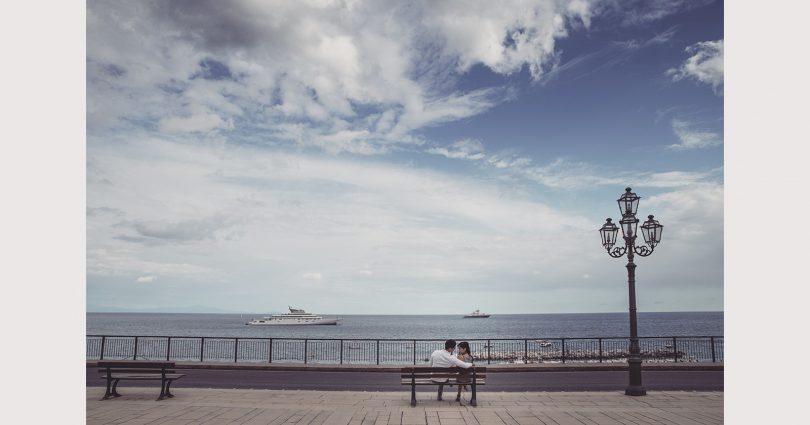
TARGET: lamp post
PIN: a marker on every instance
(651, 229)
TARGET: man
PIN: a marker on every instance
(445, 358)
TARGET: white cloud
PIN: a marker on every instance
(292, 213)
(292, 221)
(613, 54)
(690, 215)
(354, 76)
(705, 65)
(677, 179)
(503, 37)
(691, 138)
(146, 279)
(642, 12)
(110, 257)
(312, 276)
(461, 149)
(200, 122)
(221, 216)
(562, 173)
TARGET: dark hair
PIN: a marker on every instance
(466, 346)
(450, 343)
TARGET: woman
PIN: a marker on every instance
(464, 355)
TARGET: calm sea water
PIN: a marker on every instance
(412, 326)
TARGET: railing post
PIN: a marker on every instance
(713, 358)
(235, 349)
(202, 345)
(489, 345)
(103, 340)
(563, 350)
(270, 352)
(168, 348)
(600, 350)
(305, 351)
(378, 351)
(525, 351)
(414, 352)
(675, 348)
(135, 351)
(341, 351)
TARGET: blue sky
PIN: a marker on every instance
(368, 157)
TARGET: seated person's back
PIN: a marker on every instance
(445, 358)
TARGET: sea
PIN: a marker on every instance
(518, 326)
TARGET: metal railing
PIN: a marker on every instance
(399, 351)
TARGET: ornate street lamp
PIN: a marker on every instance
(651, 230)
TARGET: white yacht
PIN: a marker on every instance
(294, 317)
(476, 315)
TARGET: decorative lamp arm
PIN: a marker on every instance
(644, 250)
(617, 252)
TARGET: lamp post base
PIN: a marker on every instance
(634, 386)
(635, 391)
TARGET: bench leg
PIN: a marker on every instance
(162, 390)
(441, 390)
(169, 384)
(108, 394)
(115, 388)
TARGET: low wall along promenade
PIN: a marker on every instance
(706, 349)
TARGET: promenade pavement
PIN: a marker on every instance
(237, 406)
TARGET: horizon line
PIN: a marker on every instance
(403, 314)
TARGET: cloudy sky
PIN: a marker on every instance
(400, 157)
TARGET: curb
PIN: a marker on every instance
(501, 368)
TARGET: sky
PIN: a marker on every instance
(385, 157)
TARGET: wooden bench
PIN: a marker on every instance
(114, 371)
(414, 376)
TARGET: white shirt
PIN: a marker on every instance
(441, 358)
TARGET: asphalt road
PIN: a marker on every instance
(682, 380)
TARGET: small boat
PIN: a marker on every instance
(543, 343)
(294, 317)
(476, 315)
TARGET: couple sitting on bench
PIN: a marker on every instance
(445, 358)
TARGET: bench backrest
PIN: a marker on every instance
(124, 364)
(138, 370)
(440, 372)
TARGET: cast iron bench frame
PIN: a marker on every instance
(416, 375)
(114, 371)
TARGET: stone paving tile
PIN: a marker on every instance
(445, 414)
(469, 418)
(622, 418)
(308, 416)
(395, 418)
(506, 418)
(339, 417)
(269, 416)
(214, 407)
(516, 413)
(382, 419)
(233, 413)
(248, 416)
(585, 419)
